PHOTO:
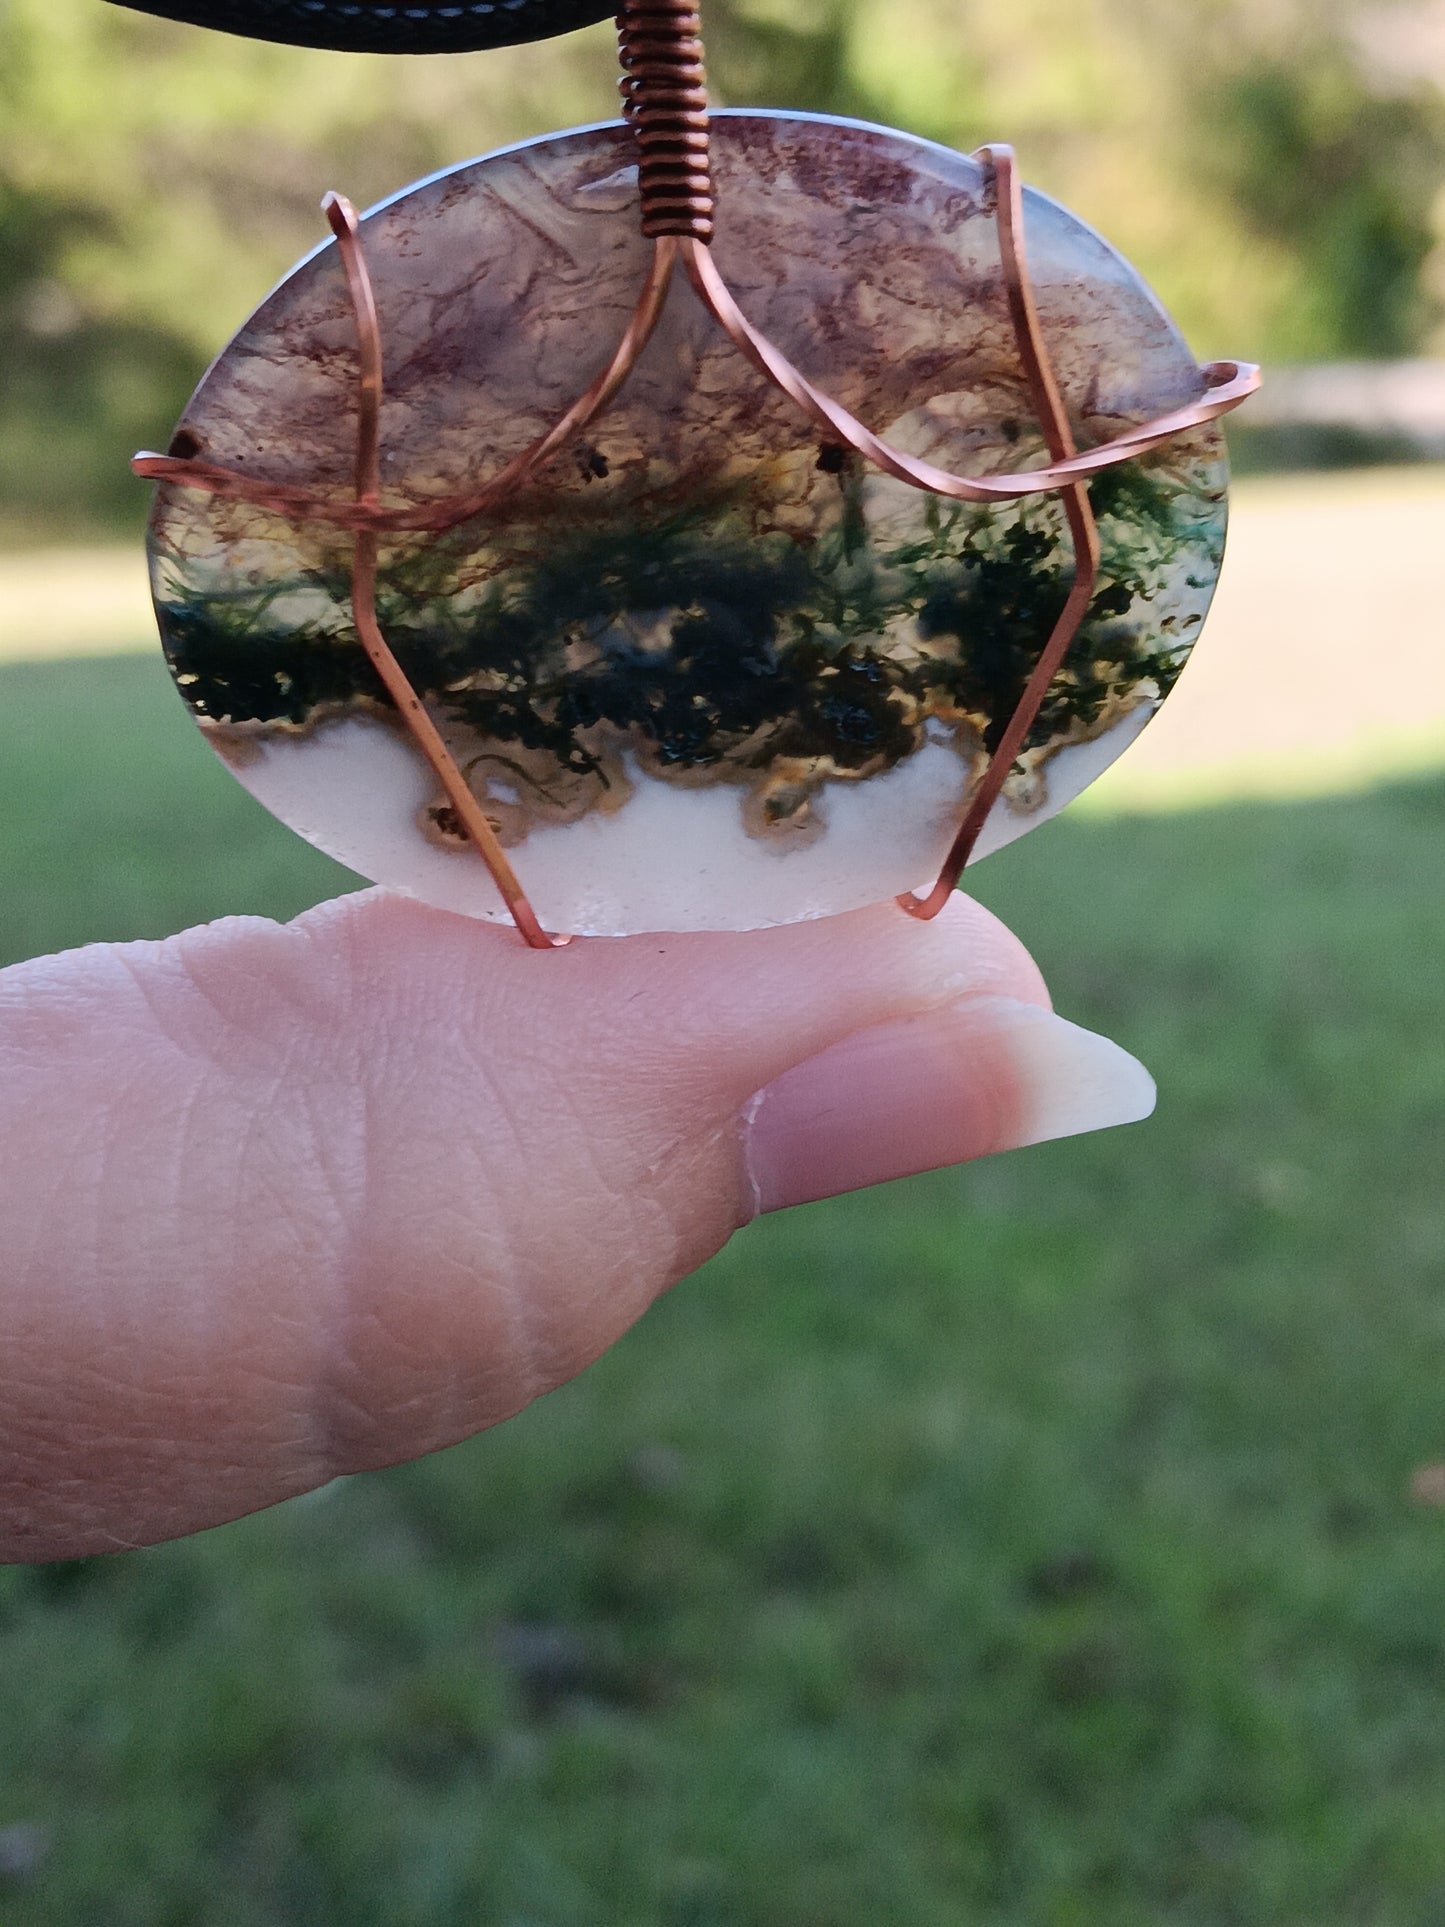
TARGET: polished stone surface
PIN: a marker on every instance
(705, 670)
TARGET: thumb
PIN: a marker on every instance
(278, 1204)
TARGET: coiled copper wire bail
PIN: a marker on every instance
(664, 96)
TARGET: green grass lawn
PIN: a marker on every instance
(1030, 1544)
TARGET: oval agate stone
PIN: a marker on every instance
(706, 669)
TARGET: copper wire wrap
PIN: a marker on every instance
(666, 105)
(664, 98)
(473, 818)
(1083, 533)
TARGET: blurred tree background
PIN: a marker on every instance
(1273, 166)
(1056, 1542)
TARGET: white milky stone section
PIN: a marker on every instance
(677, 859)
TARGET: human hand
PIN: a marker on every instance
(280, 1203)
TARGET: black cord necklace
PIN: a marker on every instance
(366, 26)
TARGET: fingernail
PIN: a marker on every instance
(985, 1074)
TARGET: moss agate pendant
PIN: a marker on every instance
(705, 665)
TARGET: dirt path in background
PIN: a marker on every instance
(74, 602)
(1323, 659)
(1322, 664)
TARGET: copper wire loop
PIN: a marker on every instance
(1083, 532)
(473, 818)
(664, 97)
(666, 104)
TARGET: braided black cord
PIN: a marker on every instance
(384, 27)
